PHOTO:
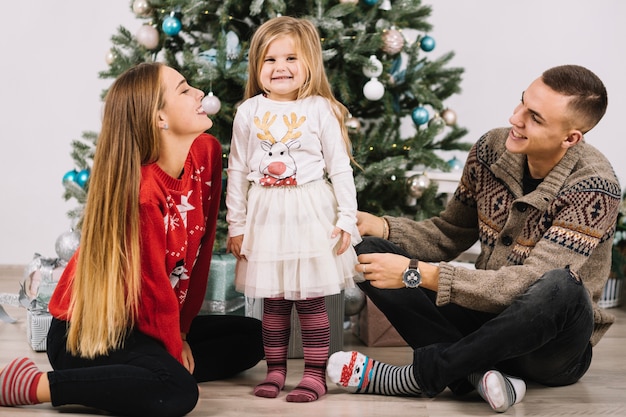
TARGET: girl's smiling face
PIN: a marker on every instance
(282, 73)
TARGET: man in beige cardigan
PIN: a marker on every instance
(543, 204)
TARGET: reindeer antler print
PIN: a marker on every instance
(265, 127)
(277, 164)
(293, 124)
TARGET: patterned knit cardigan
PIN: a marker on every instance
(569, 220)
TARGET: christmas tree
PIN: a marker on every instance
(377, 58)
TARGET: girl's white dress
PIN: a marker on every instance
(289, 184)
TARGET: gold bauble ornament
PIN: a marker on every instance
(449, 116)
(141, 8)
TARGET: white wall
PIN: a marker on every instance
(53, 51)
(503, 45)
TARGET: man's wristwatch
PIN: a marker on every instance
(412, 277)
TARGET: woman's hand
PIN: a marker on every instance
(188, 361)
(370, 225)
(233, 245)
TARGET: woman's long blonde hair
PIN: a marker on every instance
(107, 283)
(309, 48)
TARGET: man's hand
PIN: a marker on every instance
(383, 270)
(370, 225)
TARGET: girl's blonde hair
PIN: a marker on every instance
(107, 283)
(309, 49)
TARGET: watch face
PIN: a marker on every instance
(412, 278)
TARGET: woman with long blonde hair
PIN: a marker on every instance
(125, 336)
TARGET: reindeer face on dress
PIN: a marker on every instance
(277, 165)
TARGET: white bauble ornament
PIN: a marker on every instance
(148, 36)
(374, 68)
(373, 90)
(233, 47)
(349, 1)
(385, 5)
(211, 104)
(353, 124)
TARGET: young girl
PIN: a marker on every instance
(291, 198)
(124, 336)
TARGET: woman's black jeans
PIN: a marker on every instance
(543, 336)
(143, 379)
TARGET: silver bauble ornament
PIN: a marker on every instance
(449, 116)
(66, 244)
(416, 185)
(393, 41)
(354, 300)
(437, 124)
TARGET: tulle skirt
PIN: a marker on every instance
(288, 246)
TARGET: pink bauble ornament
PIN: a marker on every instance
(148, 36)
(211, 104)
(393, 41)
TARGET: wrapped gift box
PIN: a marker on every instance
(37, 326)
(335, 309)
(221, 296)
(375, 330)
(40, 279)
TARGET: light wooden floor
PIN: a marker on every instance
(601, 392)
